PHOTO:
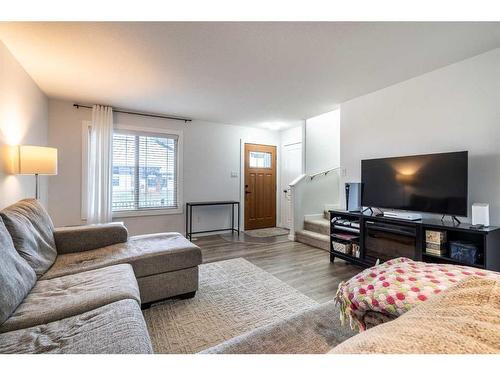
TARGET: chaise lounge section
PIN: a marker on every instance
(165, 264)
(80, 289)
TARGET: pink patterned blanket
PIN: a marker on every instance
(396, 286)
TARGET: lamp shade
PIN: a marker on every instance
(37, 160)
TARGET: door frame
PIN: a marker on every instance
(243, 142)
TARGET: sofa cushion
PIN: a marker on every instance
(65, 296)
(116, 328)
(148, 254)
(32, 233)
(312, 331)
(16, 276)
(89, 237)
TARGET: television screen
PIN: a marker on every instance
(435, 183)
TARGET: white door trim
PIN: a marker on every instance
(243, 142)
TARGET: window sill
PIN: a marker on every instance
(150, 212)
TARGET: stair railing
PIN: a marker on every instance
(306, 196)
(324, 173)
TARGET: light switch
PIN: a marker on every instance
(234, 174)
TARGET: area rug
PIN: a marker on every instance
(267, 232)
(234, 297)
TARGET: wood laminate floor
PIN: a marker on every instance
(301, 266)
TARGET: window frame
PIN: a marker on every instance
(260, 152)
(85, 135)
(180, 153)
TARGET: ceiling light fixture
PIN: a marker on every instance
(276, 125)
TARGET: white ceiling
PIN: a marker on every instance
(236, 73)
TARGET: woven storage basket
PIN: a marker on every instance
(345, 248)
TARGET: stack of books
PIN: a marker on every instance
(435, 242)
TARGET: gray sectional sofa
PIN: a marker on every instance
(80, 289)
(315, 330)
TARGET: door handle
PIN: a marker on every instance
(248, 192)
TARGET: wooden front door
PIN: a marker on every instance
(260, 186)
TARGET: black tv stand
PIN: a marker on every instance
(453, 219)
(360, 230)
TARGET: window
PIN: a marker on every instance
(260, 159)
(145, 175)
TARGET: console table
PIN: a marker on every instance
(189, 216)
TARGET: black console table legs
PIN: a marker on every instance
(189, 217)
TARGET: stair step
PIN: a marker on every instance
(321, 226)
(321, 241)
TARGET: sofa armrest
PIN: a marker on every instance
(89, 237)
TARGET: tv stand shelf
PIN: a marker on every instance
(441, 258)
(383, 238)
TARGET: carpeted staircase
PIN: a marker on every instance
(316, 231)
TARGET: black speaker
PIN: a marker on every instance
(353, 191)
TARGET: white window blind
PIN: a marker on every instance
(144, 171)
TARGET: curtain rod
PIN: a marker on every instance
(118, 110)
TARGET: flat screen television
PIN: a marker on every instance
(435, 183)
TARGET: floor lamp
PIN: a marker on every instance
(38, 161)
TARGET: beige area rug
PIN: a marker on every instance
(267, 232)
(234, 297)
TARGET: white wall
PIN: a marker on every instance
(322, 152)
(450, 109)
(23, 120)
(322, 142)
(291, 136)
(211, 153)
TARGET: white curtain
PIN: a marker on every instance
(100, 166)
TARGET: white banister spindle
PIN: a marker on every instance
(295, 209)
